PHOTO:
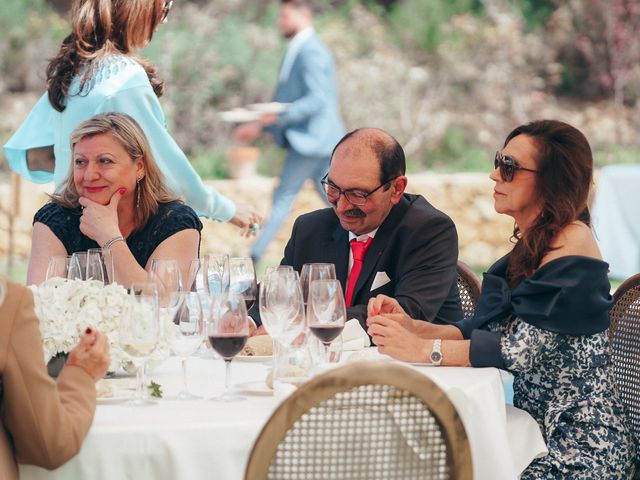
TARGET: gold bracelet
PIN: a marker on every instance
(113, 240)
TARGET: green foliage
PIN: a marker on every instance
(419, 22)
(210, 164)
(616, 154)
(535, 12)
(455, 153)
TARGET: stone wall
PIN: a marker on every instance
(466, 197)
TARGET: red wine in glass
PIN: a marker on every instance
(228, 346)
(326, 333)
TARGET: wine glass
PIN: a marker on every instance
(187, 337)
(139, 332)
(326, 313)
(228, 331)
(217, 274)
(198, 282)
(281, 310)
(58, 266)
(78, 266)
(166, 274)
(95, 269)
(242, 279)
(315, 271)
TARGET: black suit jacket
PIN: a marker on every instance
(416, 246)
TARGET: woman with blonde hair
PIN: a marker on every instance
(116, 198)
(98, 70)
(44, 422)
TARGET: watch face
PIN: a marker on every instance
(436, 357)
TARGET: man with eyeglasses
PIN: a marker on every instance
(310, 126)
(381, 239)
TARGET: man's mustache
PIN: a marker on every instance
(356, 212)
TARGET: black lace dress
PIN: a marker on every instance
(551, 333)
(171, 218)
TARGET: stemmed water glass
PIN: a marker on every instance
(95, 269)
(217, 274)
(166, 274)
(228, 331)
(315, 271)
(78, 266)
(326, 312)
(242, 279)
(187, 337)
(139, 332)
(281, 310)
(58, 266)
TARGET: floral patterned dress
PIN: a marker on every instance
(551, 333)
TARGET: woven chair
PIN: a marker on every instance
(363, 421)
(624, 333)
(469, 288)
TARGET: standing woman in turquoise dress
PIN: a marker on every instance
(543, 311)
(97, 70)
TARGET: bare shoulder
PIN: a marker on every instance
(575, 239)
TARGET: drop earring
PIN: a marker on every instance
(138, 193)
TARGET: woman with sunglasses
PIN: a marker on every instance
(543, 312)
(97, 70)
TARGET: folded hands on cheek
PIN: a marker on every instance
(100, 222)
(391, 329)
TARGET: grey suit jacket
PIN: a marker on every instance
(416, 247)
(312, 124)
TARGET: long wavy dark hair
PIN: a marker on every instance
(565, 174)
(101, 28)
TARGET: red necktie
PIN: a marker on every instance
(359, 250)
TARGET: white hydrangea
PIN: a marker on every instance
(66, 308)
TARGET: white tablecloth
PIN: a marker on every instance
(616, 218)
(203, 439)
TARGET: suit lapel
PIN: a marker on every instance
(338, 251)
(378, 245)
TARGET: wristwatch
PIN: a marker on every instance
(436, 353)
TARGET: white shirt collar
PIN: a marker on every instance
(364, 236)
(292, 51)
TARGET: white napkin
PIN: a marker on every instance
(354, 337)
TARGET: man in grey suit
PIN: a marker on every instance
(310, 126)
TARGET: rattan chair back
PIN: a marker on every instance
(624, 333)
(368, 421)
(469, 289)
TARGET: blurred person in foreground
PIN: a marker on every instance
(44, 422)
(96, 70)
(114, 197)
(310, 126)
(543, 312)
(381, 239)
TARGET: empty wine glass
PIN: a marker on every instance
(228, 331)
(166, 274)
(315, 271)
(242, 279)
(78, 266)
(187, 337)
(139, 332)
(217, 274)
(326, 313)
(58, 266)
(198, 282)
(95, 269)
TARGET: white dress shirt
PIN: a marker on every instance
(360, 238)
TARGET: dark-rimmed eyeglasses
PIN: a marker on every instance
(508, 166)
(166, 8)
(354, 196)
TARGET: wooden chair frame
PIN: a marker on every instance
(469, 277)
(326, 386)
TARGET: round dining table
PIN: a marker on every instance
(204, 438)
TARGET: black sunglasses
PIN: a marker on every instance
(166, 8)
(508, 166)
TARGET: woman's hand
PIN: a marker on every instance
(247, 219)
(91, 354)
(100, 222)
(396, 341)
(383, 305)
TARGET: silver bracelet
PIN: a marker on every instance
(113, 240)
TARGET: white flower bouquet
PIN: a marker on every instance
(66, 308)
